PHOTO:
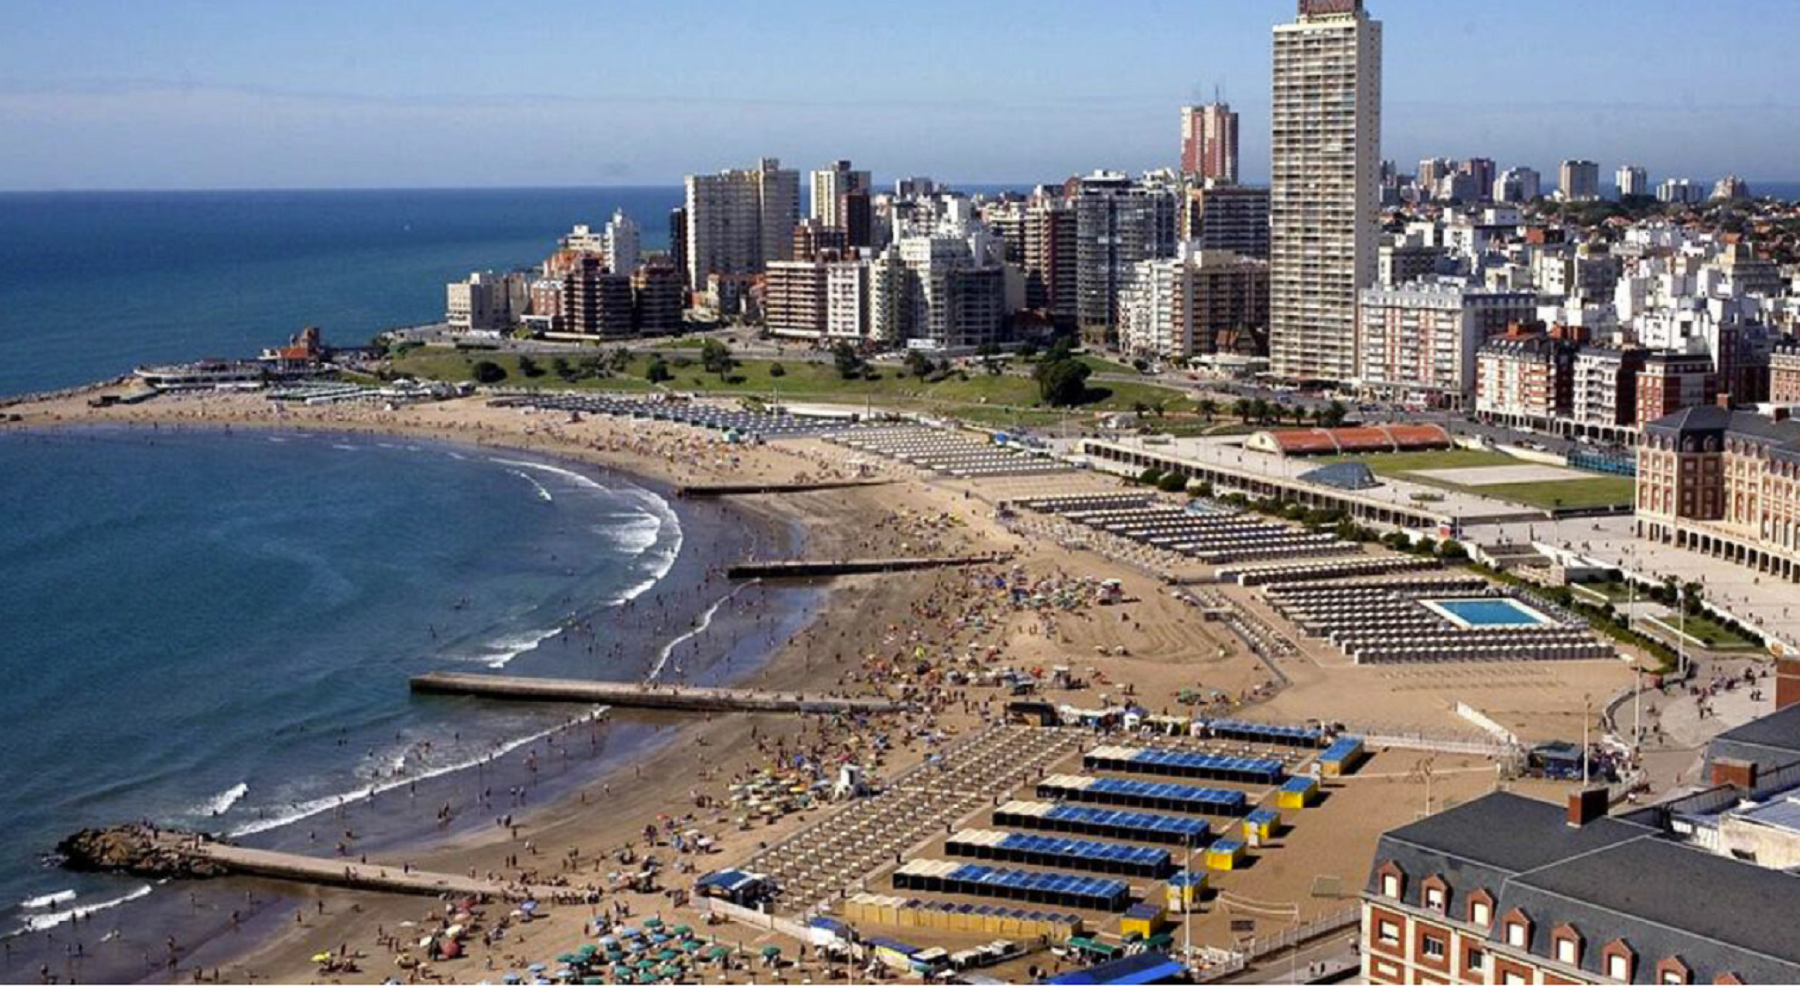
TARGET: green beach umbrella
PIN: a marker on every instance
(770, 951)
(691, 945)
(653, 922)
(682, 929)
(718, 952)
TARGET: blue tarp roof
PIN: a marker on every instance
(1145, 967)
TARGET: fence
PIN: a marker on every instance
(1259, 947)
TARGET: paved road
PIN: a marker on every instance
(1330, 959)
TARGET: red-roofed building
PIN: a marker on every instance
(1344, 441)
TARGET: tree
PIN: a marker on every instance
(658, 371)
(777, 370)
(918, 364)
(529, 367)
(1453, 550)
(849, 362)
(488, 371)
(619, 359)
(1150, 476)
(563, 369)
(1241, 409)
(1259, 410)
(716, 357)
(1208, 408)
(1333, 414)
(1140, 409)
(1172, 482)
(1063, 382)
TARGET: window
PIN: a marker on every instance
(1388, 932)
(1512, 978)
(1516, 934)
(1390, 885)
(1434, 947)
(1477, 960)
(1567, 952)
(1434, 898)
(1618, 966)
(1481, 912)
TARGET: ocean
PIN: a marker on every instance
(96, 283)
(215, 629)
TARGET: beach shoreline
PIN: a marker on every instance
(889, 635)
(630, 742)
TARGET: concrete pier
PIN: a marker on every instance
(803, 569)
(164, 853)
(700, 490)
(624, 694)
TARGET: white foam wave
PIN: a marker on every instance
(36, 903)
(543, 494)
(340, 445)
(221, 803)
(42, 922)
(662, 657)
(307, 809)
(636, 537)
(511, 647)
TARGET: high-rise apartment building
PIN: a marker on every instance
(622, 243)
(738, 221)
(1202, 302)
(1633, 181)
(1209, 142)
(1049, 258)
(1118, 222)
(1578, 181)
(1325, 157)
(1419, 340)
(829, 186)
(1516, 185)
(678, 251)
(1227, 217)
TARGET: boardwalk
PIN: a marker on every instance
(622, 694)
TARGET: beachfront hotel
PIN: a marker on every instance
(1723, 482)
(1506, 889)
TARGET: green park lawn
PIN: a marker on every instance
(1569, 494)
(999, 399)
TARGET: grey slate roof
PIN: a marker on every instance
(1769, 742)
(1609, 879)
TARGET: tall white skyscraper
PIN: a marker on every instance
(623, 241)
(829, 186)
(1325, 192)
(1632, 180)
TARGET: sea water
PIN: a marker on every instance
(215, 630)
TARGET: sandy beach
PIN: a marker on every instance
(895, 635)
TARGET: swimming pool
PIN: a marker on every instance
(1487, 612)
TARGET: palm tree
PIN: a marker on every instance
(1242, 409)
(1208, 407)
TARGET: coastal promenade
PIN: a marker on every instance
(623, 694)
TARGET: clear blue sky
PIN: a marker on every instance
(326, 93)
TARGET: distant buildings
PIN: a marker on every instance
(1325, 156)
(622, 243)
(1578, 181)
(829, 187)
(1199, 303)
(1118, 222)
(1051, 246)
(1419, 340)
(739, 221)
(486, 304)
(1209, 143)
(1515, 185)
(1227, 217)
(1633, 181)
(1731, 187)
(1678, 190)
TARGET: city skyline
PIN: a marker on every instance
(198, 96)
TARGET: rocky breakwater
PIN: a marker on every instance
(142, 850)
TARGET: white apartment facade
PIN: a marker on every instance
(1326, 184)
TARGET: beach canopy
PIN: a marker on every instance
(718, 952)
(653, 922)
(770, 951)
(682, 929)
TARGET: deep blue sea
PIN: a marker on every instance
(92, 284)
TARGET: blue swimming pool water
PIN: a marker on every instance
(1489, 612)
